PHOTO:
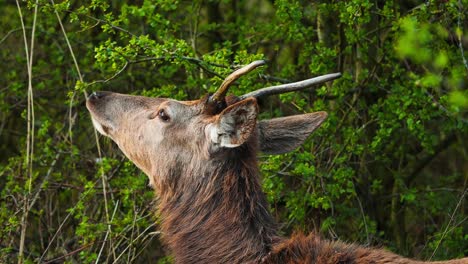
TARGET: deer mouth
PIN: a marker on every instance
(100, 127)
(100, 122)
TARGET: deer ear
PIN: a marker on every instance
(284, 134)
(235, 124)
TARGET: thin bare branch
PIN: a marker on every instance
(11, 32)
(110, 78)
(73, 252)
(291, 87)
(200, 63)
(103, 176)
(459, 35)
(452, 216)
(30, 127)
(270, 78)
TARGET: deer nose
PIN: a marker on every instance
(97, 95)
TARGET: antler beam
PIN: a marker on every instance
(216, 103)
(291, 87)
(219, 95)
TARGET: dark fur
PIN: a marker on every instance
(223, 217)
(218, 215)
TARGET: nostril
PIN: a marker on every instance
(96, 95)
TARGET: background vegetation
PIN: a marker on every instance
(388, 168)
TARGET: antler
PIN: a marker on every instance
(291, 87)
(217, 102)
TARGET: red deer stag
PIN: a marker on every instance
(200, 157)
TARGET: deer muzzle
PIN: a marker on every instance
(97, 106)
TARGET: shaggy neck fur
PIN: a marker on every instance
(216, 212)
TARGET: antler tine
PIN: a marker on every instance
(220, 94)
(291, 87)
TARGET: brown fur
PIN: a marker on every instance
(210, 197)
(313, 249)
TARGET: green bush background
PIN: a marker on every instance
(388, 168)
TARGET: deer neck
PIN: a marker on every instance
(217, 212)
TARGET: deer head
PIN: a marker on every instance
(158, 134)
(161, 134)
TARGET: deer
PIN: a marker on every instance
(201, 160)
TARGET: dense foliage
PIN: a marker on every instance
(388, 168)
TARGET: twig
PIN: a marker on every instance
(460, 44)
(196, 61)
(103, 178)
(68, 43)
(44, 181)
(98, 20)
(194, 27)
(361, 208)
(61, 226)
(274, 79)
(144, 245)
(54, 236)
(77, 70)
(55, 260)
(448, 225)
(133, 231)
(126, 248)
(112, 77)
(107, 233)
(11, 32)
(30, 126)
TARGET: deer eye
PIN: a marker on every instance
(163, 115)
